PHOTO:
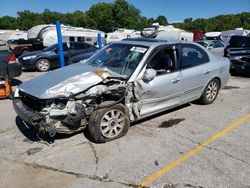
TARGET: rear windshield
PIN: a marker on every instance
(240, 41)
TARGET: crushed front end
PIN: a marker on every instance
(68, 114)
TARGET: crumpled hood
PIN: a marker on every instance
(65, 81)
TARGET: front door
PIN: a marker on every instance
(164, 90)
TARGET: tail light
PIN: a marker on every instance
(12, 58)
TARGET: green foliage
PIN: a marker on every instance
(162, 20)
(188, 20)
(27, 19)
(217, 23)
(7, 22)
(101, 14)
(125, 15)
(120, 14)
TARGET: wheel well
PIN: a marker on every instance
(218, 80)
(43, 58)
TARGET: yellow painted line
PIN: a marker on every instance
(192, 152)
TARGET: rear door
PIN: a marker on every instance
(195, 71)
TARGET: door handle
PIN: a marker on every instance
(206, 71)
(174, 81)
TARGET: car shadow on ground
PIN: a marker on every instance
(29, 70)
(160, 114)
(33, 135)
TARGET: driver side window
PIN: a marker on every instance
(163, 61)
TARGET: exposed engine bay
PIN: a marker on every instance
(70, 113)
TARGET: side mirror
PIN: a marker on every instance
(149, 74)
(56, 50)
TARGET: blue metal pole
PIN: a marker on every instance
(99, 37)
(60, 45)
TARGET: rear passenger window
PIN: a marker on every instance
(192, 55)
(65, 46)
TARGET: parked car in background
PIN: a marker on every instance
(9, 68)
(48, 58)
(217, 47)
(83, 56)
(238, 51)
(124, 82)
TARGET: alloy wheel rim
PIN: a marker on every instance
(43, 65)
(112, 123)
(211, 91)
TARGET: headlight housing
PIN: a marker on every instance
(16, 95)
(29, 57)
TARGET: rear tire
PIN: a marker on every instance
(210, 92)
(108, 124)
(43, 65)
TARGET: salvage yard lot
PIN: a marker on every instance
(150, 145)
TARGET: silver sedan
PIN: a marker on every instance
(124, 82)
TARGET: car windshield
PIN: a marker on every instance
(203, 43)
(119, 58)
(49, 48)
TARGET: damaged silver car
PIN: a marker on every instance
(125, 81)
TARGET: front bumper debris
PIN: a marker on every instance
(33, 118)
(28, 115)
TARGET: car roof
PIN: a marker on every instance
(152, 42)
(144, 41)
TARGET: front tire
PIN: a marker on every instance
(108, 124)
(210, 93)
(43, 65)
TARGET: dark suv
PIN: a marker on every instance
(238, 52)
(48, 58)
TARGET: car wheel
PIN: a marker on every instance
(108, 124)
(210, 93)
(43, 65)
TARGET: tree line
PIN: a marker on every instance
(119, 14)
(217, 23)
